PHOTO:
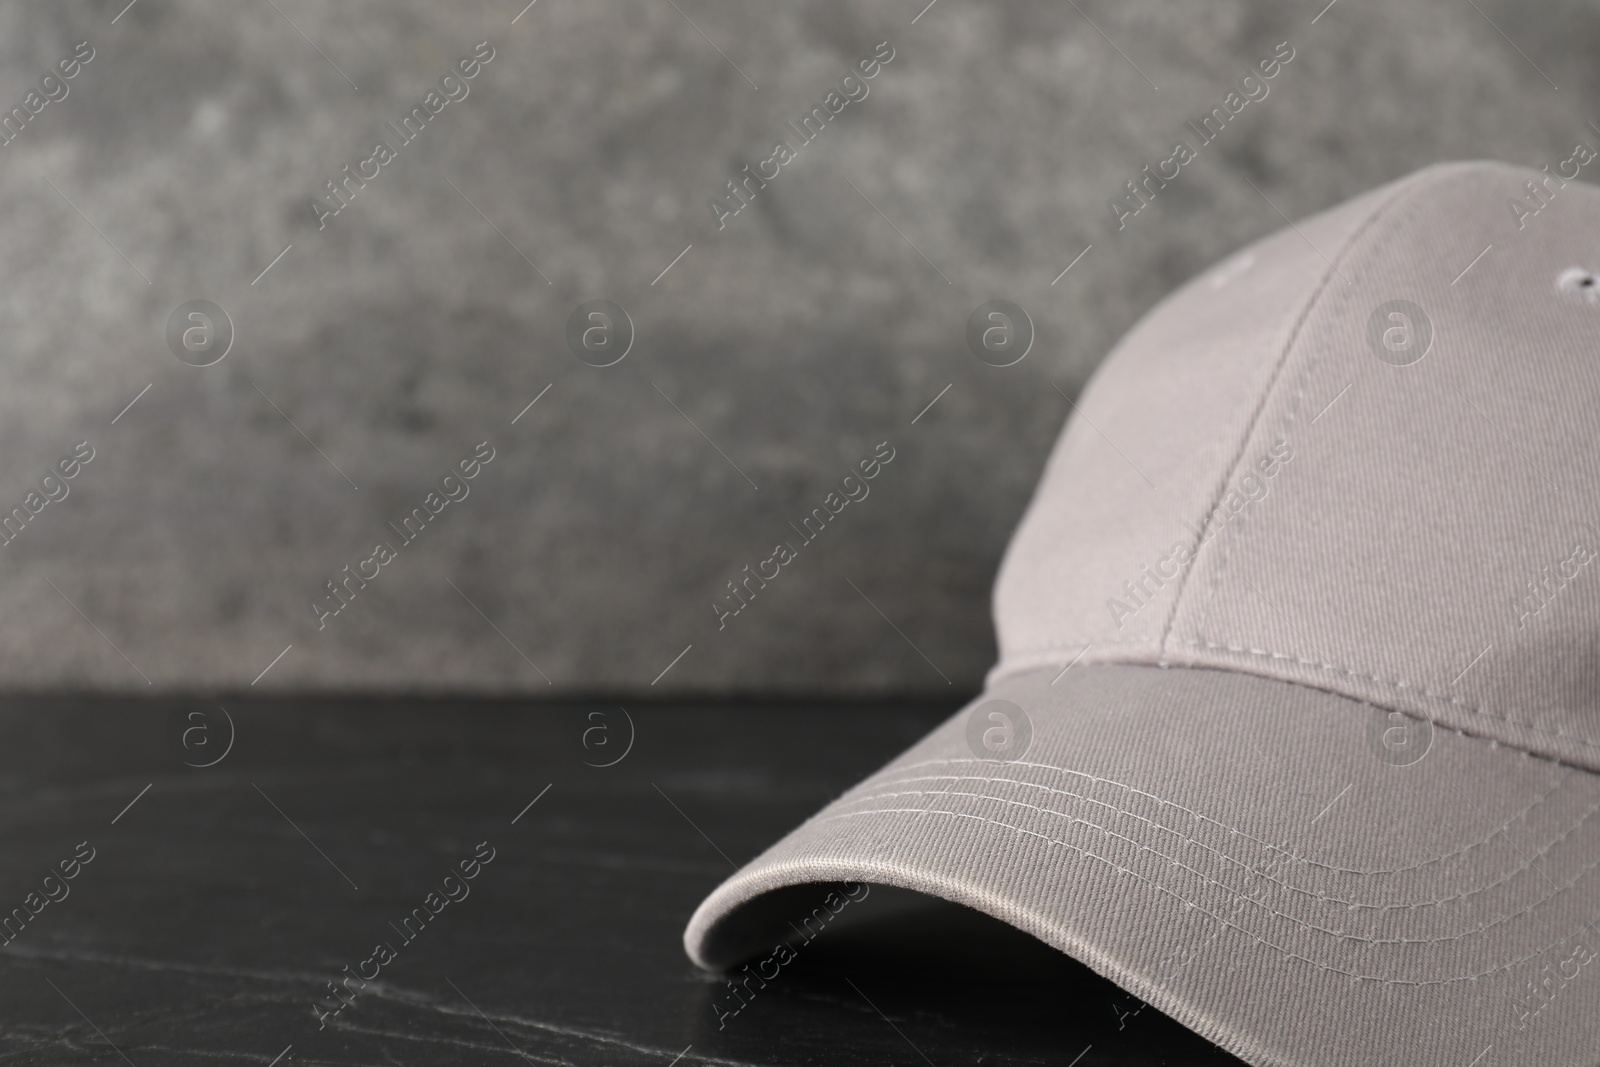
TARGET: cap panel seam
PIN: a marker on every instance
(1350, 672)
(1336, 668)
(1201, 640)
(1236, 535)
(1406, 187)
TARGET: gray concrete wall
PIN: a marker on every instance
(776, 353)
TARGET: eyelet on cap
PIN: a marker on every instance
(1580, 284)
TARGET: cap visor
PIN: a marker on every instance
(1302, 878)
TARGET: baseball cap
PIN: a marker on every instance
(1295, 729)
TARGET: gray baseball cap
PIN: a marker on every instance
(1295, 731)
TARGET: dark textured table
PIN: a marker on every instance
(228, 866)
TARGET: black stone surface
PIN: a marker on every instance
(221, 900)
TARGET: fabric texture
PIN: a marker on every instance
(1297, 695)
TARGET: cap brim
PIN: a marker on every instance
(1272, 865)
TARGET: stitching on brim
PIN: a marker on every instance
(888, 779)
(1195, 906)
(1108, 832)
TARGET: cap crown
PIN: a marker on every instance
(1361, 455)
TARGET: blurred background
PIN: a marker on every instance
(361, 356)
